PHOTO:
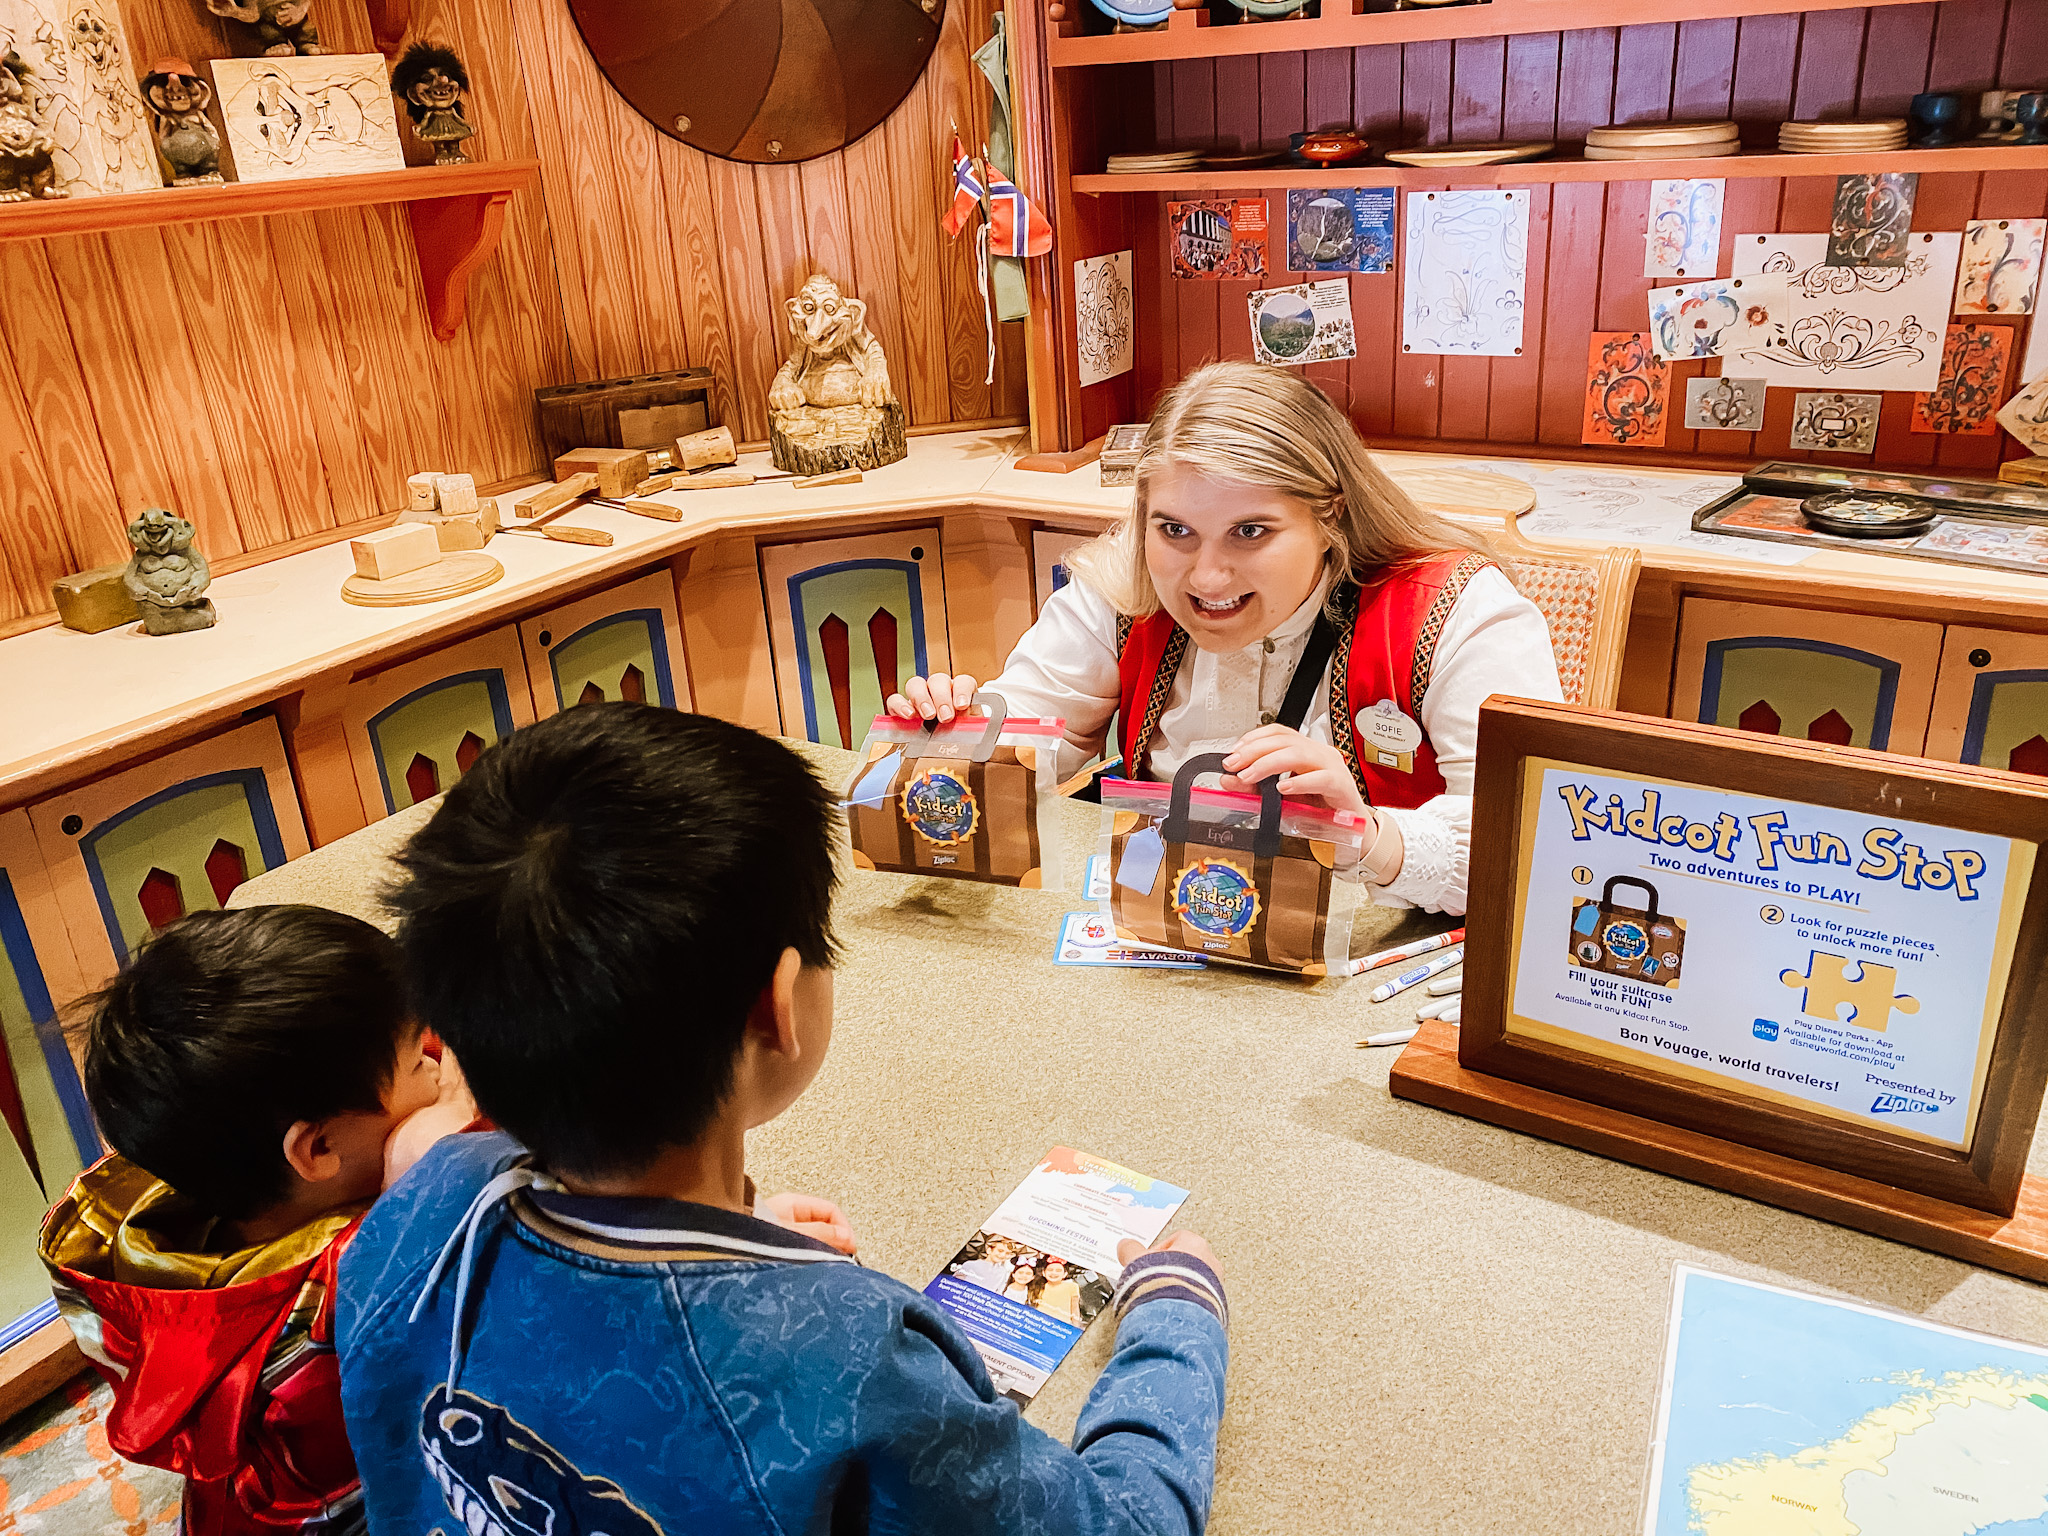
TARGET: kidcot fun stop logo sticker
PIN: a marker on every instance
(940, 809)
(1215, 897)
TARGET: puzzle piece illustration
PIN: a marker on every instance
(1869, 996)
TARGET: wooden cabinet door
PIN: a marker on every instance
(851, 620)
(1049, 550)
(137, 850)
(1839, 678)
(413, 730)
(621, 644)
(1991, 700)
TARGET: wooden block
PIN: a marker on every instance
(618, 470)
(700, 449)
(549, 498)
(394, 551)
(659, 425)
(420, 493)
(2032, 471)
(457, 494)
(90, 601)
(713, 480)
(837, 477)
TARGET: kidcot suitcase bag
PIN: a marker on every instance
(962, 800)
(1638, 942)
(1248, 877)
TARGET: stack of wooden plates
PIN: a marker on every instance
(1841, 138)
(1493, 152)
(1663, 141)
(1153, 165)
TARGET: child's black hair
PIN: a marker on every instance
(412, 68)
(230, 1026)
(593, 911)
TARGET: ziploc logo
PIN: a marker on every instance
(1901, 1104)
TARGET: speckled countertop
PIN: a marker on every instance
(1437, 1325)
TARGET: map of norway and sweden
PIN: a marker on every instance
(1845, 964)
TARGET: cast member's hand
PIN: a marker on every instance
(812, 1217)
(937, 697)
(1179, 1242)
(1307, 770)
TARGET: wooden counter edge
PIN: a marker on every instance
(1427, 1072)
(38, 1366)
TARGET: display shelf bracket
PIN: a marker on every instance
(389, 21)
(453, 236)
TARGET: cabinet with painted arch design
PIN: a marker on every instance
(623, 643)
(1991, 700)
(414, 729)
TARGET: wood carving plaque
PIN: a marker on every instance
(766, 81)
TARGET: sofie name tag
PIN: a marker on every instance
(1388, 738)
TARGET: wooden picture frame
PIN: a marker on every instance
(1968, 1195)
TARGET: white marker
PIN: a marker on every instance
(1450, 1015)
(1447, 986)
(1420, 974)
(1391, 1037)
(1435, 1008)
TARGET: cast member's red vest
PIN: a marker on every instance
(1386, 640)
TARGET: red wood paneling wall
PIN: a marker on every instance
(1586, 239)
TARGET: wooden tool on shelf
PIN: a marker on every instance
(597, 537)
(554, 500)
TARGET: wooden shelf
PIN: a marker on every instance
(1182, 40)
(1999, 157)
(457, 213)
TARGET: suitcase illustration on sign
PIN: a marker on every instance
(1638, 942)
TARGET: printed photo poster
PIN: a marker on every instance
(2001, 266)
(1464, 273)
(1341, 229)
(1218, 239)
(1851, 328)
(1836, 423)
(1103, 316)
(1848, 964)
(1308, 323)
(1872, 222)
(1627, 390)
(1026, 1286)
(1721, 317)
(1724, 405)
(1974, 362)
(2025, 416)
(1684, 238)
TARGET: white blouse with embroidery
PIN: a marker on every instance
(1494, 641)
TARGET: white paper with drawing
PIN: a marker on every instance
(1684, 238)
(76, 74)
(1102, 316)
(327, 114)
(1721, 317)
(1465, 273)
(1852, 328)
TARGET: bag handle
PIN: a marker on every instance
(997, 709)
(1607, 893)
(1264, 839)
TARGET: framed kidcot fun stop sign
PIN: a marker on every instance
(1807, 974)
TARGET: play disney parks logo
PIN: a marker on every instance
(1215, 897)
(940, 809)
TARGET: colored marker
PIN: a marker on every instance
(1405, 952)
(1391, 1037)
(1420, 974)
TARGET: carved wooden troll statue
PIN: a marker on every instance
(831, 406)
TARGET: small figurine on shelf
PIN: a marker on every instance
(25, 168)
(168, 577)
(432, 81)
(831, 406)
(284, 27)
(185, 137)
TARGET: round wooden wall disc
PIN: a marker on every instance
(766, 81)
(470, 570)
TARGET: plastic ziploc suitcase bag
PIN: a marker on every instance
(1248, 877)
(966, 799)
(1638, 942)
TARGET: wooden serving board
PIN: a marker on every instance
(453, 575)
(1445, 488)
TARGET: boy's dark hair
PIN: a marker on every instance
(593, 911)
(229, 1026)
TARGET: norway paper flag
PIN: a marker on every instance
(967, 192)
(1015, 227)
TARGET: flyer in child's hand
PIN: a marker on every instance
(1027, 1285)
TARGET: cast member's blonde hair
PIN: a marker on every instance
(1270, 427)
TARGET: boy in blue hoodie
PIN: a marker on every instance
(620, 921)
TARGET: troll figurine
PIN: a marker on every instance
(168, 577)
(432, 81)
(283, 27)
(187, 140)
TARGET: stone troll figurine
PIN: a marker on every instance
(168, 577)
(831, 406)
